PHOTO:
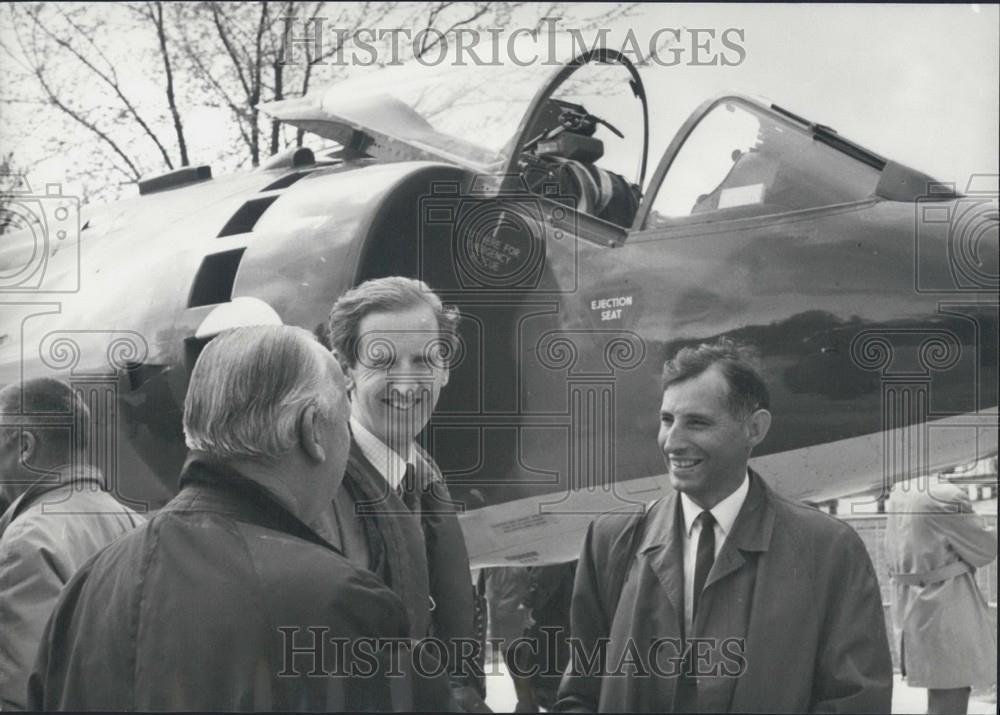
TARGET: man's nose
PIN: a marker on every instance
(410, 383)
(672, 437)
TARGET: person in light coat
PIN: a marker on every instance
(58, 516)
(947, 641)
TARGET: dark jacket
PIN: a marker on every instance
(791, 614)
(420, 553)
(199, 610)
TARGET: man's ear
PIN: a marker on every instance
(757, 426)
(29, 447)
(344, 368)
(310, 432)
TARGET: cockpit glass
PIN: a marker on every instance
(604, 90)
(470, 110)
(741, 161)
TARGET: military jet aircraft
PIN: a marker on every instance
(521, 194)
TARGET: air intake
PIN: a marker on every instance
(173, 179)
(249, 213)
(213, 283)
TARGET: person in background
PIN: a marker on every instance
(529, 625)
(506, 588)
(58, 515)
(947, 640)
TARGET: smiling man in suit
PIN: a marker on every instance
(724, 596)
(394, 514)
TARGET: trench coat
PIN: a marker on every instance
(791, 615)
(934, 544)
(198, 610)
(46, 535)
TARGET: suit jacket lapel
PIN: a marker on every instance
(751, 532)
(432, 501)
(405, 555)
(730, 586)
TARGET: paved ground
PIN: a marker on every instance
(914, 700)
(500, 696)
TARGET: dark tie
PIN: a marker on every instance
(408, 488)
(705, 558)
(686, 695)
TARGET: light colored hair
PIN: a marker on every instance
(248, 390)
(384, 295)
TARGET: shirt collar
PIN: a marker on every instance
(389, 463)
(725, 512)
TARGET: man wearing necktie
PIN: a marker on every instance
(724, 596)
(393, 514)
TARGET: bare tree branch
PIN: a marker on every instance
(161, 34)
(37, 68)
(254, 98)
(109, 79)
(480, 10)
(230, 49)
(237, 109)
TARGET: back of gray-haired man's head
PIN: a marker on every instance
(248, 390)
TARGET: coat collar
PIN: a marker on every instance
(662, 547)
(751, 532)
(383, 458)
(210, 485)
(662, 541)
(65, 478)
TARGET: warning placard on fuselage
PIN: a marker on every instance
(612, 309)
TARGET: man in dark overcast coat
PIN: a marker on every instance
(207, 607)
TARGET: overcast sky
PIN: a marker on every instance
(915, 83)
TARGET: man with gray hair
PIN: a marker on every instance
(226, 599)
(57, 516)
